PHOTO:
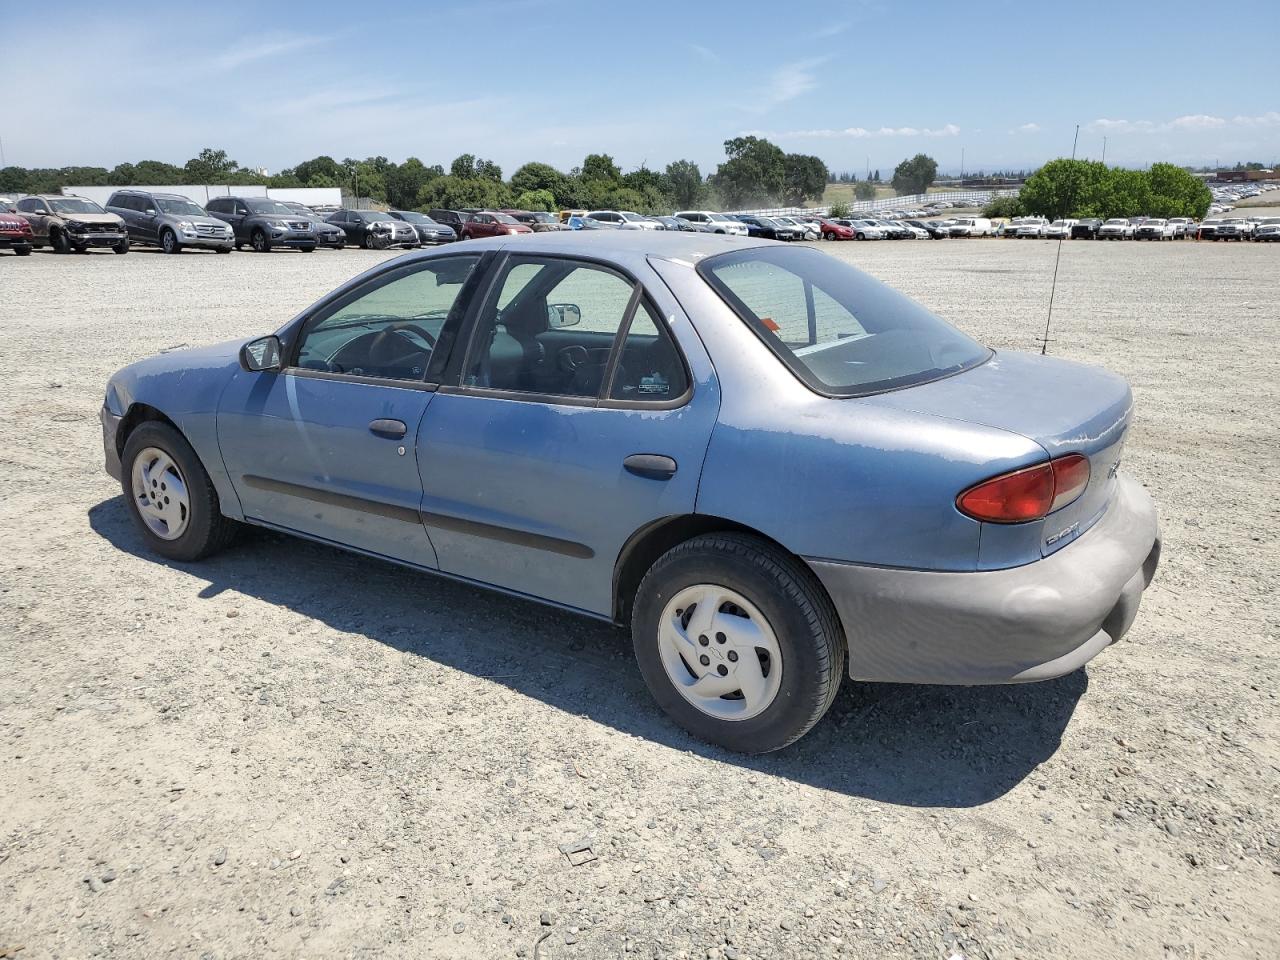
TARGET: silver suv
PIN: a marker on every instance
(169, 221)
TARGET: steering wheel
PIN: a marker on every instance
(395, 329)
(378, 349)
(572, 357)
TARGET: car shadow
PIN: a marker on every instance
(914, 745)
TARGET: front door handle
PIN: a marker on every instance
(651, 466)
(388, 429)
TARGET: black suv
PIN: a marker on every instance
(263, 223)
(450, 218)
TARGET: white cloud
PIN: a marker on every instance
(239, 55)
(1191, 121)
(832, 30)
(706, 53)
(1026, 128)
(863, 133)
(788, 82)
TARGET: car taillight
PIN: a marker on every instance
(1027, 494)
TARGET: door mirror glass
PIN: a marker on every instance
(563, 315)
(151, 211)
(261, 354)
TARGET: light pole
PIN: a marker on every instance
(1104, 150)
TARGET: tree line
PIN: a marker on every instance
(1088, 188)
(754, 173)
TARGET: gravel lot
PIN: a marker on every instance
(291, 751)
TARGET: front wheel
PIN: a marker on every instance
(169, 242)
(738, 642)
(259, 242)
(121, 247)
(60, 242)
(170, 496)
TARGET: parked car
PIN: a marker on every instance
(1031, 227)
(938, 229)
(866, 230)
(491, 223)
(1086, 229)
(617, 220)
(971, 227)
(1233, 228)
(676, 224)
(915, 233)
(1182, 227)
(936, 512)
(1208, 229)
(374, 229)
(1268, 230)
(1117, 228)
(567, 215)
(327, 235)
(1155, 228)
(708, 221)
(1059, 229)
(15, 233)
(453, 219)
(832, 230)
(70, 224)
(264, 223)
(169, 221)
(429, 232)
(806, 231)
(538, 221)
(769, 228)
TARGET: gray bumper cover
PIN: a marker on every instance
(1033, 622)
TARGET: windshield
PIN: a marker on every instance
(74, 205)
(271, 207)
(299, 208)
(837, 329)
(545, 217)
(410, 216)
(182, 208)
(1120, 223)
(505, 218)
(720, 218)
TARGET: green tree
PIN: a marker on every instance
(157, 173)
(406, 180)
(754, 174)
(1128, 193)
(322, 171)
(684, 184)
(804, 178)
(1067, 188)
(1006, 207)
(540, 176)
(450, 192)
(210, 166)
(536, 200)
(914, 176)
(1175, 192)
(864, 190)
(600, 166)
(838, 210)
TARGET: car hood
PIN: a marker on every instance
(91, 218)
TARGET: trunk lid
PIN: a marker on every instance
(1064, 407)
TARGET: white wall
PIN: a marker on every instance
(311, 196)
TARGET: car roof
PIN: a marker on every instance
(612, 244)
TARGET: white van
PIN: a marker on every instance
(971, 227)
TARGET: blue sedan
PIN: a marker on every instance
(774, 469)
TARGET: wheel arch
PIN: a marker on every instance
(138, 414)
(651, 541)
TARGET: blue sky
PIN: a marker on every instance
(856, 83)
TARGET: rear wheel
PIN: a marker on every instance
(170, 496)
(738, 642)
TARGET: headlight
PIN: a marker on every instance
(186, 225)
(512, 230)
(278, 224)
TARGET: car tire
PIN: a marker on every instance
(796, 618)
(198, 530)
(828, 235)
(169, 242)
(861, 236)
(258, 240)
(367, 241)
(307, 249)
(239, 245)
(60, 242)
(226, 249)
(121, 247)
(22, 251)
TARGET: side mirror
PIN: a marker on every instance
(563, 315)
(150, 211)
(260, 355)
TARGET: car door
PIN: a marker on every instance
(325, 446)
(576, 420)
(37, 213)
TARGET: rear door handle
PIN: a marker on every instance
(388, 429)
(651, 466)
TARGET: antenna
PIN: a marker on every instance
(1045, 341)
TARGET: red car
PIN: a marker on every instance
(15, 233)
(835, 231)
(491, 223)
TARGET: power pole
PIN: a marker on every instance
(962, 163)
(1104, 150)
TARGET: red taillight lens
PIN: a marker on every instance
(1070, 477)
(1027, 494)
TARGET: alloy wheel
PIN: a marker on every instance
(720, 652)
(160, 493)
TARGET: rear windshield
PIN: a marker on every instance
(840, 331)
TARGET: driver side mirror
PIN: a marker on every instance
(261, 355)
(563, 315)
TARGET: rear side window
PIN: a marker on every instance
(840, 331)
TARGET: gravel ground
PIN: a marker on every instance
(291, 751)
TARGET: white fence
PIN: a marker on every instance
(974, 198)
(202, 194)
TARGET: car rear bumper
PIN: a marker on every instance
(110, 427)
(1026, 623)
